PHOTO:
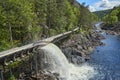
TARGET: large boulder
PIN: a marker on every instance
(73, 55)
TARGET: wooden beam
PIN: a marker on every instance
(32, 45)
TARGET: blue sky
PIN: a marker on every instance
(88, 1)
(96, 5)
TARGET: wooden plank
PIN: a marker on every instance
(29, 46)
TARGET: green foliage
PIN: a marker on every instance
(12, 77)
(18, 15)
(112, 17)
(52, 32)
(102, 13)
(87, 18)
(14, 64)
(31, 20)
(70, 16)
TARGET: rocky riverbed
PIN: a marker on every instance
(78, 48)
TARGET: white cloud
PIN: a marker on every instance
(92, 9)
(104, 4)
(105, 1)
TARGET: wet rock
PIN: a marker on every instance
(85, 47)
(56, 74)
(68, 52)
(76, 52)
(79, 47)
(43, 77)
(74, 59)
(77, 59)
(73, 55)
(90, 49)
(87, 57)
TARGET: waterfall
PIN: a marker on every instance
(56, 62)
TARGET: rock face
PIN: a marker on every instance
(79, 47)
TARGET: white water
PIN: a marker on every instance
(58, 63)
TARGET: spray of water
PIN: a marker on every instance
(58, 63)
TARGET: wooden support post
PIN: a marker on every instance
(5, 64)
(30, 63)
(35, 59)
(31, 67)
(10, 72)
(22, 55)
(10, 68)
(14, 58)
(36, 65)
(28, 53)
(1, 74)
(4, 68)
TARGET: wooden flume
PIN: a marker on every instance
(17, 54)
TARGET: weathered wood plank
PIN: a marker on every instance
(29, 46)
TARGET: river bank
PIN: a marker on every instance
(79, 47)
(111, 29)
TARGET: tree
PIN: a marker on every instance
(25, 21)
(71, 14)
(113, 17)
(17, 17)
(40, 9)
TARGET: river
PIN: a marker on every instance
(106, 59)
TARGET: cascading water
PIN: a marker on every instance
(58, 63)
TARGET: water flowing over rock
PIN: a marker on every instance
(51, 59)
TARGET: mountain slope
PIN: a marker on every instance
(102, 13)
